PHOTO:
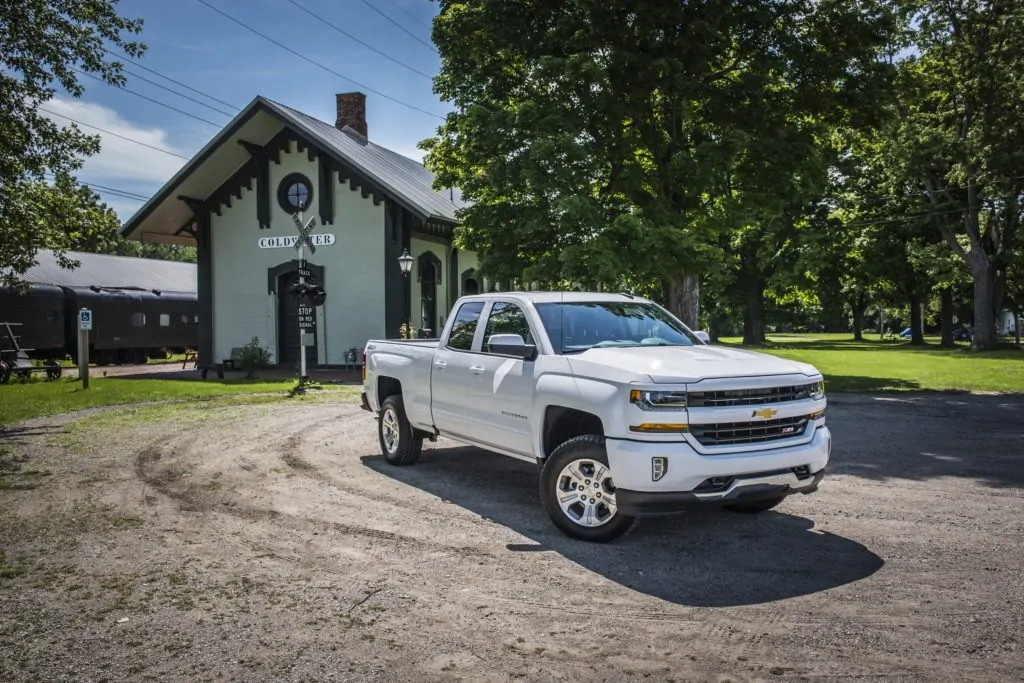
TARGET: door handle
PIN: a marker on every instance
(476, 370)
(440, 364)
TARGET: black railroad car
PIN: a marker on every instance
(37, 319)
(130, 326)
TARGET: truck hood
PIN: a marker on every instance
(687, 364)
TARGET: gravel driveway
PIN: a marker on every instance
(259, 539)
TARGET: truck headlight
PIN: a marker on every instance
(817, 390)
(658, 400)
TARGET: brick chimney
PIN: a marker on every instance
(351, 112)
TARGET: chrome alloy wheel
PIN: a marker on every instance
(586, 493)
(389, 430)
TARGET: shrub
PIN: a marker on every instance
(253, 357)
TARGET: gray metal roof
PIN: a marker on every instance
(106, 270)
(405, 177)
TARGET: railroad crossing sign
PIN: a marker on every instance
(304, 231)
(84, 319)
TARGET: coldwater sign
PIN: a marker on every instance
(322, 239)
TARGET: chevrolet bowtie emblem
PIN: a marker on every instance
(765, 413)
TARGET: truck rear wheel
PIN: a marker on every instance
(578, 493)
(398, 441)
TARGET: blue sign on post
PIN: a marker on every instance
(85, 319)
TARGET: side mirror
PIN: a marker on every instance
(703, 336)
(511, 345)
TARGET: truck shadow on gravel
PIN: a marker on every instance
(702, 559)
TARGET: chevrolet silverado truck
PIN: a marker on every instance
(624, 409)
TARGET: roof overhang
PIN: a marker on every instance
(164, 217)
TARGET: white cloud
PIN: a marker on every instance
(119, 159)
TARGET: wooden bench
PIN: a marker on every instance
(190, 355)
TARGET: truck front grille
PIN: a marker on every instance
(732, 433)
(748, 397)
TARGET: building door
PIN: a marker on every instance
(288, 349)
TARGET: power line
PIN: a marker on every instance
(187, 87)
(123, 194)
(409, 14)
(190, 99)
(413, 35)
(116, 135)
(364, 44)
(315, 63)
(162, 104)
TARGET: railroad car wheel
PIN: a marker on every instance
(53, 369)
(5, 373)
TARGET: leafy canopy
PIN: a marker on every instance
(45, 44)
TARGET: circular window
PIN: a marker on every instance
(295, 191)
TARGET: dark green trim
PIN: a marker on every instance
(232, 187)
(326, 190)
(453, 280)
(204, 279)
(262, 165)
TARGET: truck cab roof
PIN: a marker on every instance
(557, 296)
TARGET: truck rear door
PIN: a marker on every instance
(450, 371)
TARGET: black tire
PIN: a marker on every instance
(407, 449)
(756, 506)
(583, 448)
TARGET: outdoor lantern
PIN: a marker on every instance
(405, 261)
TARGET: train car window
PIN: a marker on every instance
(196, 319)
(52, 317)
(184, 318)
(165, 320)
(139, 319)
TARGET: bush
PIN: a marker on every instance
(253, 357)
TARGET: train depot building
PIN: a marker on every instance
(235, 201)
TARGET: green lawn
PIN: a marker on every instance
(38, 398)
(874, 365)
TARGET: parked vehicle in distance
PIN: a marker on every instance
(624, 409)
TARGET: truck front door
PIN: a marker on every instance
(501, 387)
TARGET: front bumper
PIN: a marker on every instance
(740, 476)
(743, 489)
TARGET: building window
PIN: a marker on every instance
(139, 319)
(165, 320)
(294, 190)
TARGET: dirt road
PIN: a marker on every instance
(270, 542)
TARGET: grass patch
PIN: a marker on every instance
(875, 365)
(38, 399)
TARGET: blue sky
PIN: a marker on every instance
(198, 47)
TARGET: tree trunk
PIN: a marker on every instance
(753, 317)
(1016, 325)
(858, 304)
(984, 338)
(684, 299)
(916, 321)
(946, 317)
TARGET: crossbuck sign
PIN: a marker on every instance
(304, 231)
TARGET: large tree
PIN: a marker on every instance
(43, 45)
(961, 133)
(596, 140)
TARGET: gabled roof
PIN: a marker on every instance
(405, 179)
(107, 270)
(399, 174)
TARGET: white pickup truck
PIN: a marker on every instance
(626, 411)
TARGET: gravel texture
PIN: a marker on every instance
(261, 539)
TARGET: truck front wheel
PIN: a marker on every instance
(578, 493)
(398, 441)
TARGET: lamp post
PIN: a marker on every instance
(405, 263)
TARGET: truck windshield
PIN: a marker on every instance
(574, 327)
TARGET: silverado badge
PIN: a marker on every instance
(765, 413)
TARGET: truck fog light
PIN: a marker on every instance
(659, 466)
